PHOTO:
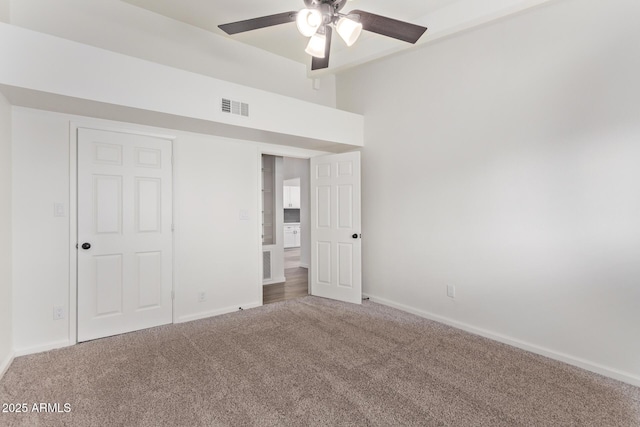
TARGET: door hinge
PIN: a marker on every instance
(173, 227)
(173, 294)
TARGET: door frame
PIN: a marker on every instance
(281, 151)
(74, 125)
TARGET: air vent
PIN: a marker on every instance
(226, 105)
(266, 265)
(235, 107)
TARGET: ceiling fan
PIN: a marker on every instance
(318, 18)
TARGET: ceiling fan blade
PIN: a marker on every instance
(320, 63)
(255, 23)
(389, 27)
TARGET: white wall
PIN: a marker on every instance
(37, 66)
(504, 161)
(215, 251)
(214, 180)
(6, 338)
(5, 10)
(40, 240)
(121, 27)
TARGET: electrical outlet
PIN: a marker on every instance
(202, 297)
(451, 291)
(58, 312)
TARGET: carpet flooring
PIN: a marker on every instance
(310, 361)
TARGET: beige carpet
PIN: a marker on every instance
(311, 362)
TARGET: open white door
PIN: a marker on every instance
(336, 270)
(125, 251)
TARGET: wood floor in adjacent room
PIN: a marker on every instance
(296, 284)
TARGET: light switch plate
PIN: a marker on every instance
(451, 291)
(244, 214)
(58, 209)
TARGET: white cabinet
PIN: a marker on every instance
(292, 235)
(291, 197)
(295, 199)
(289, 236)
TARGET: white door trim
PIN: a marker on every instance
(291, 152)
(74, 125)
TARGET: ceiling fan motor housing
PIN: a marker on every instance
(334, 5)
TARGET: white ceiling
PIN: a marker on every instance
(441, 17)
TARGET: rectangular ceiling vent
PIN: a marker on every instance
(235, 107)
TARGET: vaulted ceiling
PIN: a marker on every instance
(442, 17)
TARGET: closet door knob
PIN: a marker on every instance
(86, 246)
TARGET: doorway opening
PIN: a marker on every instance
(285, 228)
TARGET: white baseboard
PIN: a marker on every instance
(218, 312)
(5, 364)
(44, 347)
(304, 265)
(562, 357)
(273, 281)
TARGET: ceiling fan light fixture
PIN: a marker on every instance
(316, 45)
(349, 30)
(319, 18)
(308, 21)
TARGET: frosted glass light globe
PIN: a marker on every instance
(349, 30)
(316, 45)
(308, 21)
